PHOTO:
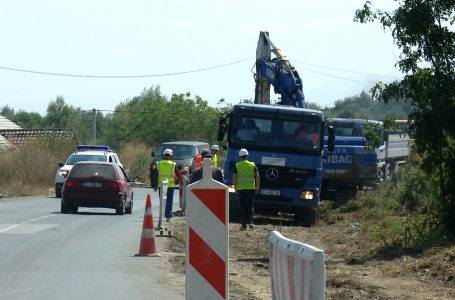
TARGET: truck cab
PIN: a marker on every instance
(289, 163)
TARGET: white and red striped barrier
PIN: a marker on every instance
(207, 246)
(297, 269)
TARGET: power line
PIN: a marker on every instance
(198, 70)
(123, 76)
(338, 77)
(341, 70)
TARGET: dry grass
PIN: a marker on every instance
(30, 170)
(136, 159)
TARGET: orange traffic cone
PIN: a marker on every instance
(148, 246)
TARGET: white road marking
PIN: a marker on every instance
(29, 228)
(40, 218)
(26, 226)
(9, 227)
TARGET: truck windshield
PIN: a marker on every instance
(354, 128)
(275, 134)
(349, 129)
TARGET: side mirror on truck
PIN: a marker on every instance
(331, 139)
(221, 132)
(222, 127)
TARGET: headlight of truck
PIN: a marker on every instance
(307, 195)
(62, 173)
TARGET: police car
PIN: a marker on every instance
(83, 153)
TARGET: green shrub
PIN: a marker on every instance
(416, 190)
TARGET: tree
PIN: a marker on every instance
(7, 111)
(362, 106)
(423, 30)
(58, 113)
(28, 119)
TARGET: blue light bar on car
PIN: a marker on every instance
(92, 147)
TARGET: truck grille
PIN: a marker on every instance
(283, 177)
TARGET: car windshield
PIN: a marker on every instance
(277, 133)
(79, 157)
(90, 171)
(180, 151)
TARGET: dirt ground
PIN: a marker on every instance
(351, 271)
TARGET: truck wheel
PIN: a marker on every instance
(307, 216)
(400, 175)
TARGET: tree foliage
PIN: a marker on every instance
(423, 30)
(362, 106)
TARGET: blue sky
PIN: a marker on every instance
(335, 57)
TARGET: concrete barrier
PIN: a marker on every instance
(297, 269)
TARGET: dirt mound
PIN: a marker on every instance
(353, 271)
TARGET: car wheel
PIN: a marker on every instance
(64, 208)
(58, 191)
(129, 209)
(121, 209)
(74, 209)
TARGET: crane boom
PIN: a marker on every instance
(277, 72)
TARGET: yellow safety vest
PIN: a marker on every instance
(215, 160)
(166, 171)
(245, 175)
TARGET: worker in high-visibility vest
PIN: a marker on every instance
(214, 149)
(246, 182)
(166, 169)
(197, 163)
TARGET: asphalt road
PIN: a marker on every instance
(47, 255)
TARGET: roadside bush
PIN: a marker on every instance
(135, 158)
(415, 191)
(403, 216)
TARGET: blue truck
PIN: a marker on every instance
(290, 167)
(354, 164)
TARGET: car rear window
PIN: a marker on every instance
(89, 171)
(77, 157)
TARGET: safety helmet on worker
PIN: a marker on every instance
(215, 148)
(243, 152)
(167, 152)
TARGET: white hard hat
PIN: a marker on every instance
(167, 152)
(243, 152)
(215, 147)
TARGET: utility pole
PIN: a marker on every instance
(94, 126)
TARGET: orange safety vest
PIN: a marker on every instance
(198, 161)
(303, 135)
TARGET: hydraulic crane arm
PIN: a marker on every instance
(277, 72)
